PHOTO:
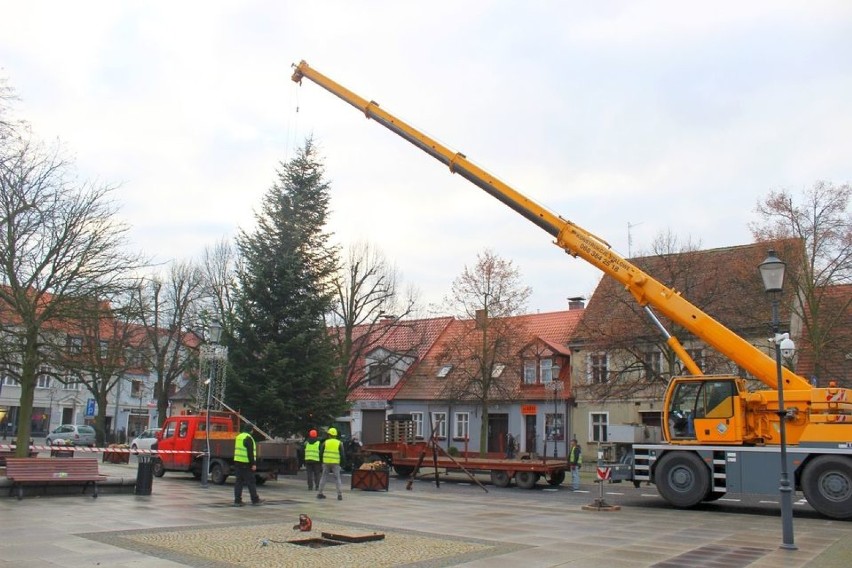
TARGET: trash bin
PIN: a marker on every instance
(144, 475)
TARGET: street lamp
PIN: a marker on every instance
(772, 271)
(556, 387)
(210, 352)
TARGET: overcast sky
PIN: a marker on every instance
(658, 116)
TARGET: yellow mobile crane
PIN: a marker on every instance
(719, 436)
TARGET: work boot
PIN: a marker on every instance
(237, 504)
(320, 496)
(257, 502)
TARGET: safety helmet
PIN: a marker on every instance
(332, 431)
(312, 434)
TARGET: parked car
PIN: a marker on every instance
(145, 440)
(78, 434)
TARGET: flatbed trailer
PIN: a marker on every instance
(407, 457)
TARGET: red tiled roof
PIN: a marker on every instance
(554, 329)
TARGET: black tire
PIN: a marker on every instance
(827, 485)
(682, 479)
(158, 468)
(557, 478)
(526, 479)
(714, 496)
(403, 470)
(500, 478)
(218, 473)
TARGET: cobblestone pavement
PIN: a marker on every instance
(458, 524)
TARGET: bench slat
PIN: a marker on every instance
(53, 471)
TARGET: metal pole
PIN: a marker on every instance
(786, 490)
(205, 462)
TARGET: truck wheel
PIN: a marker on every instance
(526, 479)
(827, 485)
(557, 478)
(158, 468)
(500, 478)
(403, 470)
(218, 474)
(682, 479)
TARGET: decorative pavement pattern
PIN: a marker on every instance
(269, 544)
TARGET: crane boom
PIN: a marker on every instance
(579, 243)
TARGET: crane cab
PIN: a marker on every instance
(704, 409)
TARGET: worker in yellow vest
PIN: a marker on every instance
(331, 455)
(245, 466)
(575, 462)
(312, 460)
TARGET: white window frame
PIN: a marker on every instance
(546, 366)
(598, 369)
(417, 419)
(598, 425)
(42, 381)
(529, 372)
(382, 377)
(439, 419)
(444, 371)
(461, 426)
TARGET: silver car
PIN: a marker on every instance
(144, 440)
(78, 434)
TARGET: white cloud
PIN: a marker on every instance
(664, 115)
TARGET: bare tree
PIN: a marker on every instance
(369, 308)
(60, 244)
(487, 295)
(170, 312)
(220, 266)
(101, 343)
(818, 219)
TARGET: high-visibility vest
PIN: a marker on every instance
(312, 451)
(331, 452)
(240, 451)
(575, 456)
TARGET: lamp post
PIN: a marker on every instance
(210, 355)
(556, 387)
(772, 272)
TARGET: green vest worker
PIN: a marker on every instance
(331, 454)
(312, 460)
(245, 466)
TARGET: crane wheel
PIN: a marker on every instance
(827, 485)
(556, 478)
(682, 479)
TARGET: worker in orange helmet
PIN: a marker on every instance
(312, 460)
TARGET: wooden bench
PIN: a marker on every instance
(64, 471)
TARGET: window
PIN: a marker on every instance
(554, 427)
(439, 424)
(417, 419)
(136, 388)
(653, 364)
(461, 426)
(597, 369)
(71, 385)
(598, 422)
(444, 371)
(104, 348)
(184, 430)
(75, 345)
(529, 372)
(497, 370)
(42, 382)
(379, 375)
(547, 370)
(10, 381)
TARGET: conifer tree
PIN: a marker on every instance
(281, 354)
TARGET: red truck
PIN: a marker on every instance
(182, 442)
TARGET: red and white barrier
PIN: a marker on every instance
(85, 449)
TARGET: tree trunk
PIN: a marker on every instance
(100, 420)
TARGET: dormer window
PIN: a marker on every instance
(379, 375)
(444, 371)
(540, 371)
(497, 370)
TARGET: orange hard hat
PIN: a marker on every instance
(312, 434)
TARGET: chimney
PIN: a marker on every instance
(576, 303)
